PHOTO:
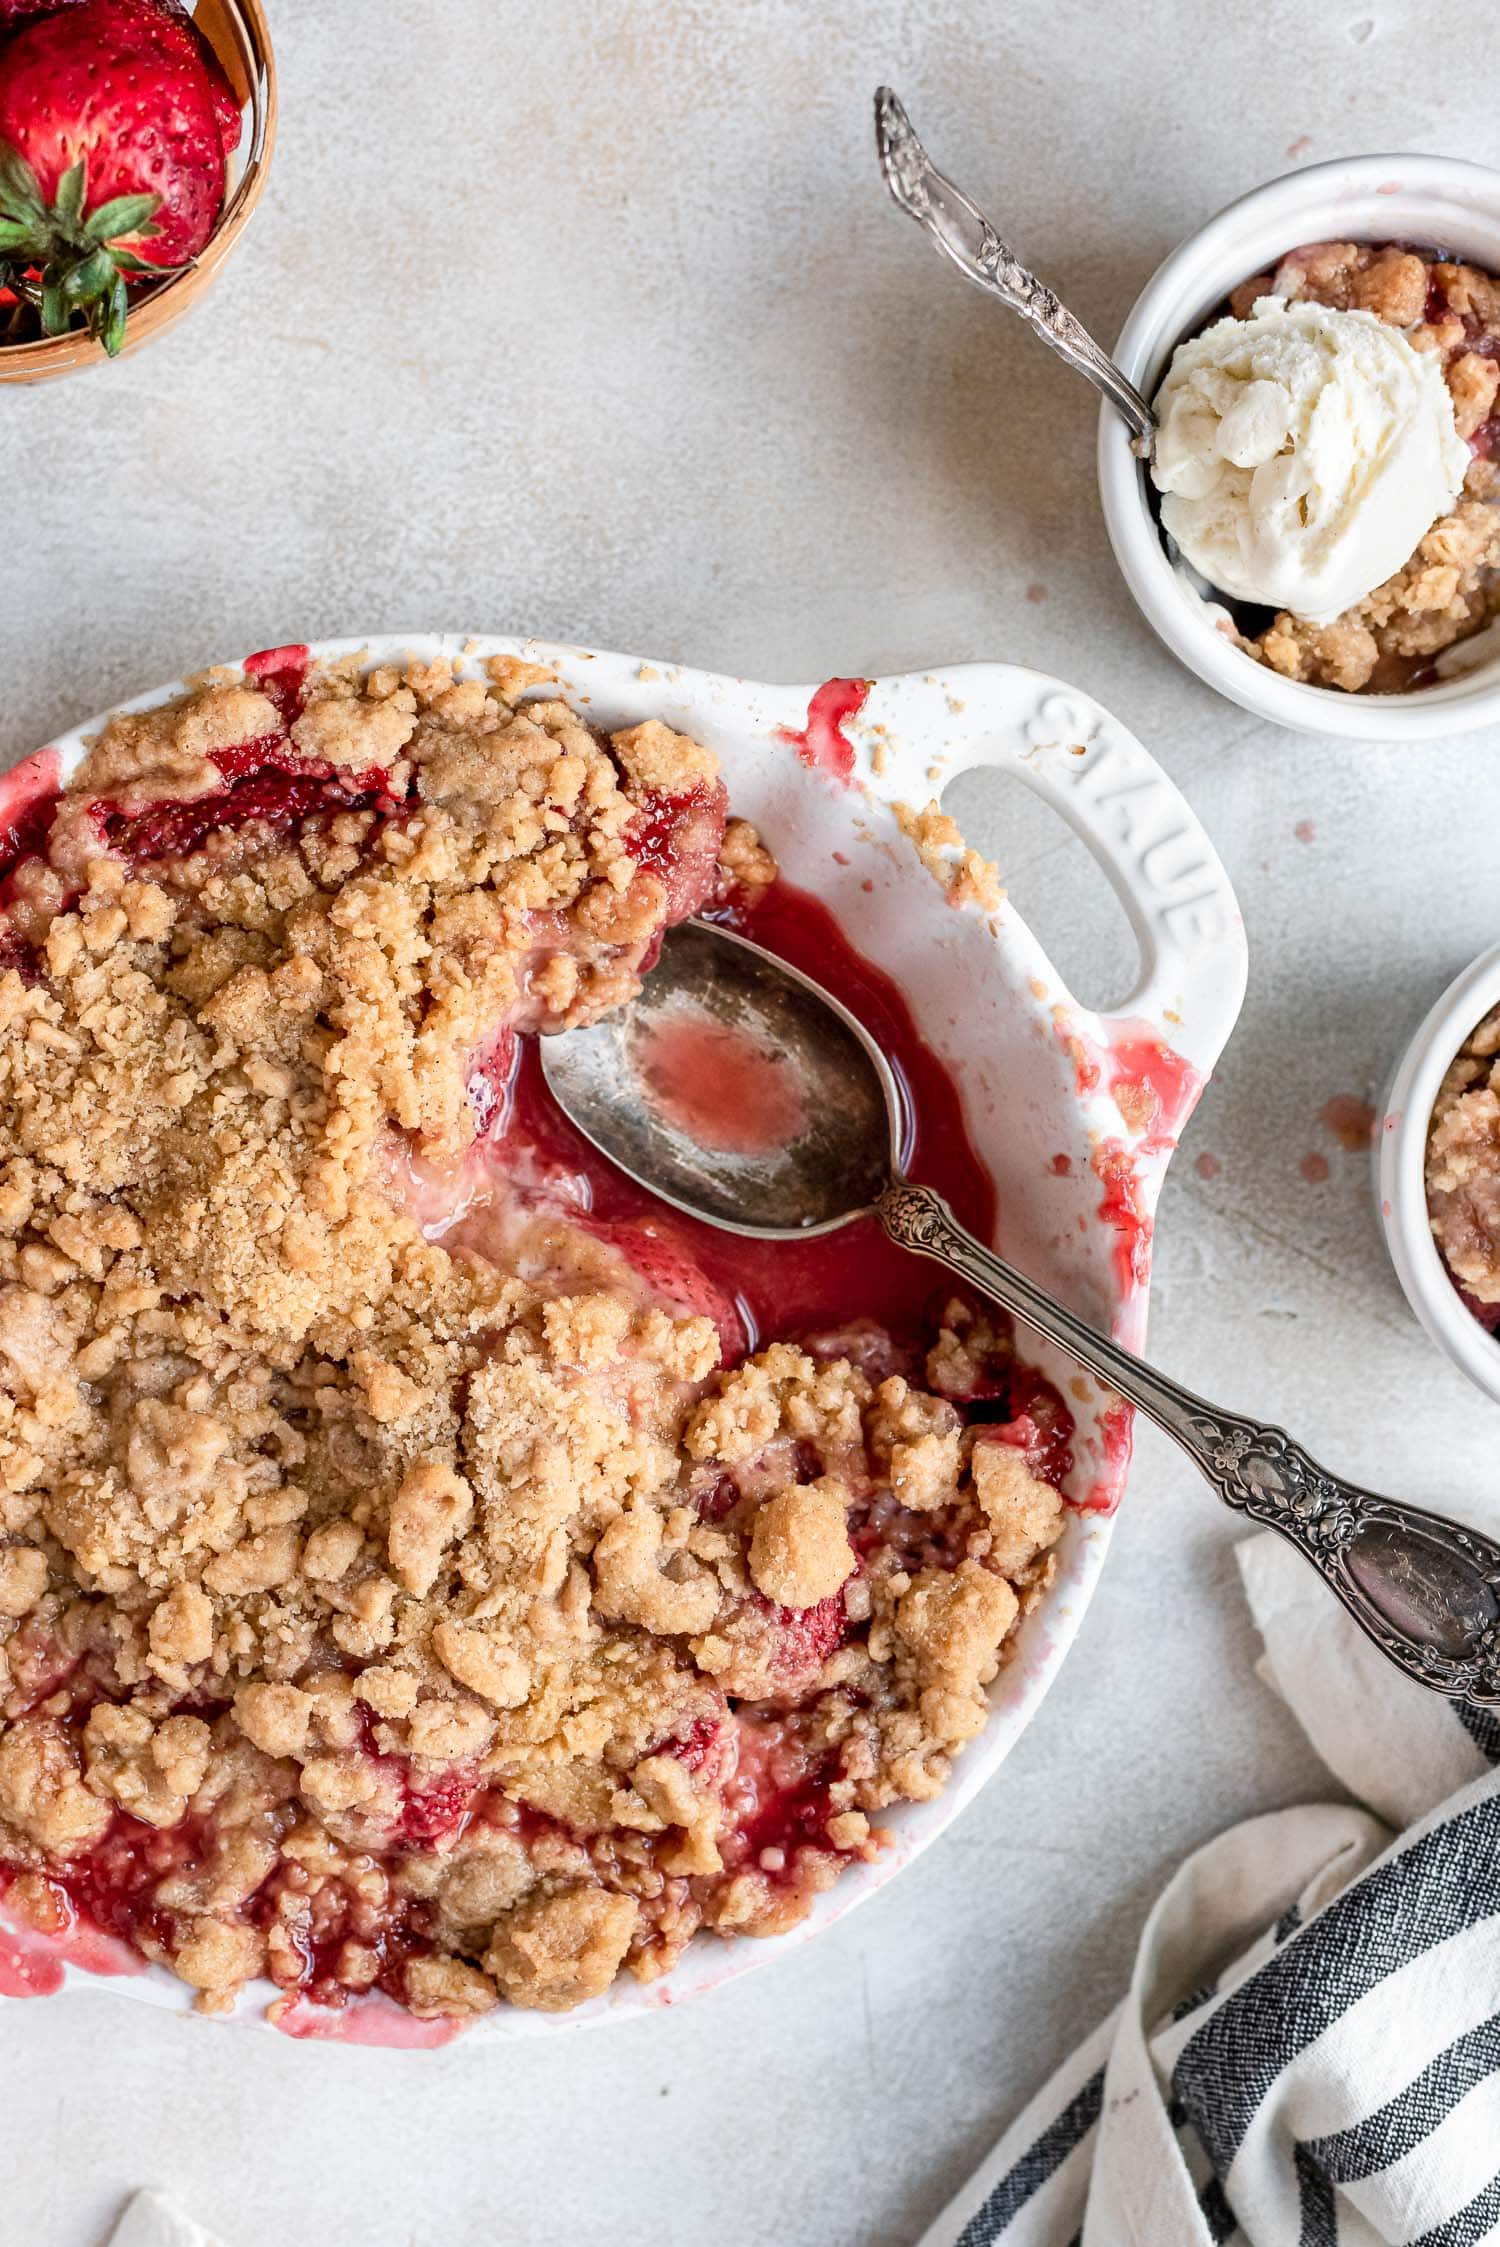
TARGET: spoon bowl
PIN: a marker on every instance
(736, 1090)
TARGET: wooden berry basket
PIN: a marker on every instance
(238, 33)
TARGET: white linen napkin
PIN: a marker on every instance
(1309, 2051)
(151, 2220)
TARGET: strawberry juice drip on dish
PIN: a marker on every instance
(1155, 1090)
(822, 744)
(27, 794)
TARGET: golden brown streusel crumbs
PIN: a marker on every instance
(1463, 1163)
(373, 1612)
(1450, 589)
(959, 871)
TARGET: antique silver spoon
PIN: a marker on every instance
(780, 1118)
(963, 233)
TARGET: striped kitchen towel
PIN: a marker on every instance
(1309, 2051)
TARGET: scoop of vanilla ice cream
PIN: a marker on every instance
(1302, 453)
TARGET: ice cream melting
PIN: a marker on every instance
(1302, 453)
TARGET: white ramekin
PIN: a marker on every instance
(1428, 201)
(1399, 1164)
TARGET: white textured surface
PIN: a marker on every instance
(593, 321)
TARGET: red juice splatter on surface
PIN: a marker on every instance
(1154, 1088)
(1305, 831)
(719, 1085)
(823, 744)
(1116, 1432)
(1350, 1119)
(1124, 1211)
(1314, 1169)
(1207, 1165)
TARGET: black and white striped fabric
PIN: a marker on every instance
(1309, 2051)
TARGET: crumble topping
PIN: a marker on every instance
(959, 871)
(376, 1612)
(1463, 1169)
(1450, 589)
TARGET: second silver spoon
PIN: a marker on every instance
(963, 234)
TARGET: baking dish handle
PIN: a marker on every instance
(1112, 792)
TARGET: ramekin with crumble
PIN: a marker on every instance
(1396, 637)
(425, 1566)
(1463, 1171)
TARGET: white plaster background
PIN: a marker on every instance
(593, 321)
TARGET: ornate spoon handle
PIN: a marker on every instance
(1425, 1589)
(963, 233)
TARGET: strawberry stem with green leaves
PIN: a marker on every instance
(66, 260)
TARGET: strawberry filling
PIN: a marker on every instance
(778, 1802)
(267, 784)
(677, 838)
(114, 1885)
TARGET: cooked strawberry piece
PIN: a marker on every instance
(1049, 1448)
(693, 1747)
(28, 797)
(678, 838)
(491, 1082)
(778, 1798)
(667, 1266)
(795, 1819)
(718, 1498)
(281, 675)
(114, 1885)
(430, 1814)
(266, 782)
(804, 1636)
(709, 1748)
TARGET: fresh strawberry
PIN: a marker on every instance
(112, 159)
(16, 12)
(221, 93)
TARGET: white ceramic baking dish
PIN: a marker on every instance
(1034, 1066)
